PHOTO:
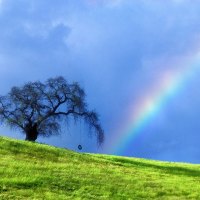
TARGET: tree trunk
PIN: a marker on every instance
(31, 133)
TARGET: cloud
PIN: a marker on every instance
(115, 49)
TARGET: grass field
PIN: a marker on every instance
(35, 171)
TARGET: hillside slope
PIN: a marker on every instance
(35, 171)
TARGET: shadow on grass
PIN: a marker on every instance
(42, 152)
(30, 149)
(172, 170)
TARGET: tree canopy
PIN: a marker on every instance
(38, 108)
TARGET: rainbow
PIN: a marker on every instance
(170, 83)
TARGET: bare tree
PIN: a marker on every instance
(39, 108)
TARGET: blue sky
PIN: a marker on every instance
(116, 49)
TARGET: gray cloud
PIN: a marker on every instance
(115, 49)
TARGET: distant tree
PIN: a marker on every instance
(39, 108)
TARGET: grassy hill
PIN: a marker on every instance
(35, 171)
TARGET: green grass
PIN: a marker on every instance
(35, 171)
